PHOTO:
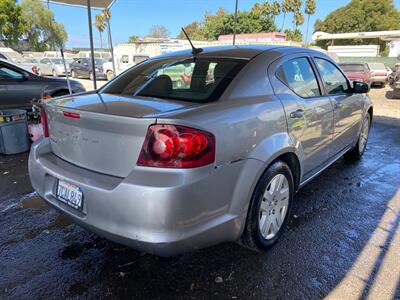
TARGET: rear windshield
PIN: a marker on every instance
(377, 66)
(195, 80)
(355, 68)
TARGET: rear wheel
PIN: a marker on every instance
(110, 75)
(358, 151)
(269, 208)
(396, 93)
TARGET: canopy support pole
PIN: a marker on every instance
(89, 9)
(235, 22)
(111, 47)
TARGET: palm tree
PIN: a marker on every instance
(287, 6)
(275, 9)
(100, 25)
(298, 19)
(311, 7)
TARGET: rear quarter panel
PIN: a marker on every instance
(249, 125)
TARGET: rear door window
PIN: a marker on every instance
(334, 81)
(299, 76)
(195, 79)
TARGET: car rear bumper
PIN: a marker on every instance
(379, 79)
(187, 210)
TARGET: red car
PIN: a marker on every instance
(357, 72)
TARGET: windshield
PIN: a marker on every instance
(194, 80)
(57, 61)
(30, 61)
(354, 68)
(99, 61)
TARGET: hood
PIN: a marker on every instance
(136, 107)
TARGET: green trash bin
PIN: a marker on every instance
(14, 137)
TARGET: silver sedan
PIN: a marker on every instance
(52, 66)
(168, 168)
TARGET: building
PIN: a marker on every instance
(263, 37)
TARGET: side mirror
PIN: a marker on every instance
(360, 87)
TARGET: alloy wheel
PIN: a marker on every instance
(362, 144)
(274, 206)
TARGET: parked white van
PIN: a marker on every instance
(122, 63)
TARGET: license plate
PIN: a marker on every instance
(69, 194)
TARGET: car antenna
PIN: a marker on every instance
(194, 49)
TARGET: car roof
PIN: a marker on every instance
(241, 51)
(352, 63)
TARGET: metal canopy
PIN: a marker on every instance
(93, 3)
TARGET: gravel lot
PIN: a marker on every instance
(343, 241)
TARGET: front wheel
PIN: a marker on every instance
(358, 151)
(269, 209)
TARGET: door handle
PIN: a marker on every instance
(297, 114)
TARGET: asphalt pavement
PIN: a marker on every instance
(342, 242)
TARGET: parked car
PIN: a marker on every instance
(167, 168)
(30, 64)
(125, 62)
(52, 66)
(10, 54)
(82, 68)
(19, 87)
(357, 71)
(378, 74)
(394, 81)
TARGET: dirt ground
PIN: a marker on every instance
(343, 241)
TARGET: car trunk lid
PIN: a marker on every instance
(103, 133)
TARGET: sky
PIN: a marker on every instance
(135, 17)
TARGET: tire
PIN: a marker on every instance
(358, 151)
(262, 229)
(396, 94)
(73, 74)
(110, 75)
(60, 93)
(54, 73)
(91, 76)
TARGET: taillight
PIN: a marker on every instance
(43, 118)
(397, 78)
(175, 146)
(34, 69)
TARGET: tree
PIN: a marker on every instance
(311, 7)
(133, 39)
(258, 19)
(360, 16)
(41, 30)
(287, 6)
(158, 31)
(294, 35)
(275, 9)
(11, 23)
(100, 25)
(193, 30)
(298, 19)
